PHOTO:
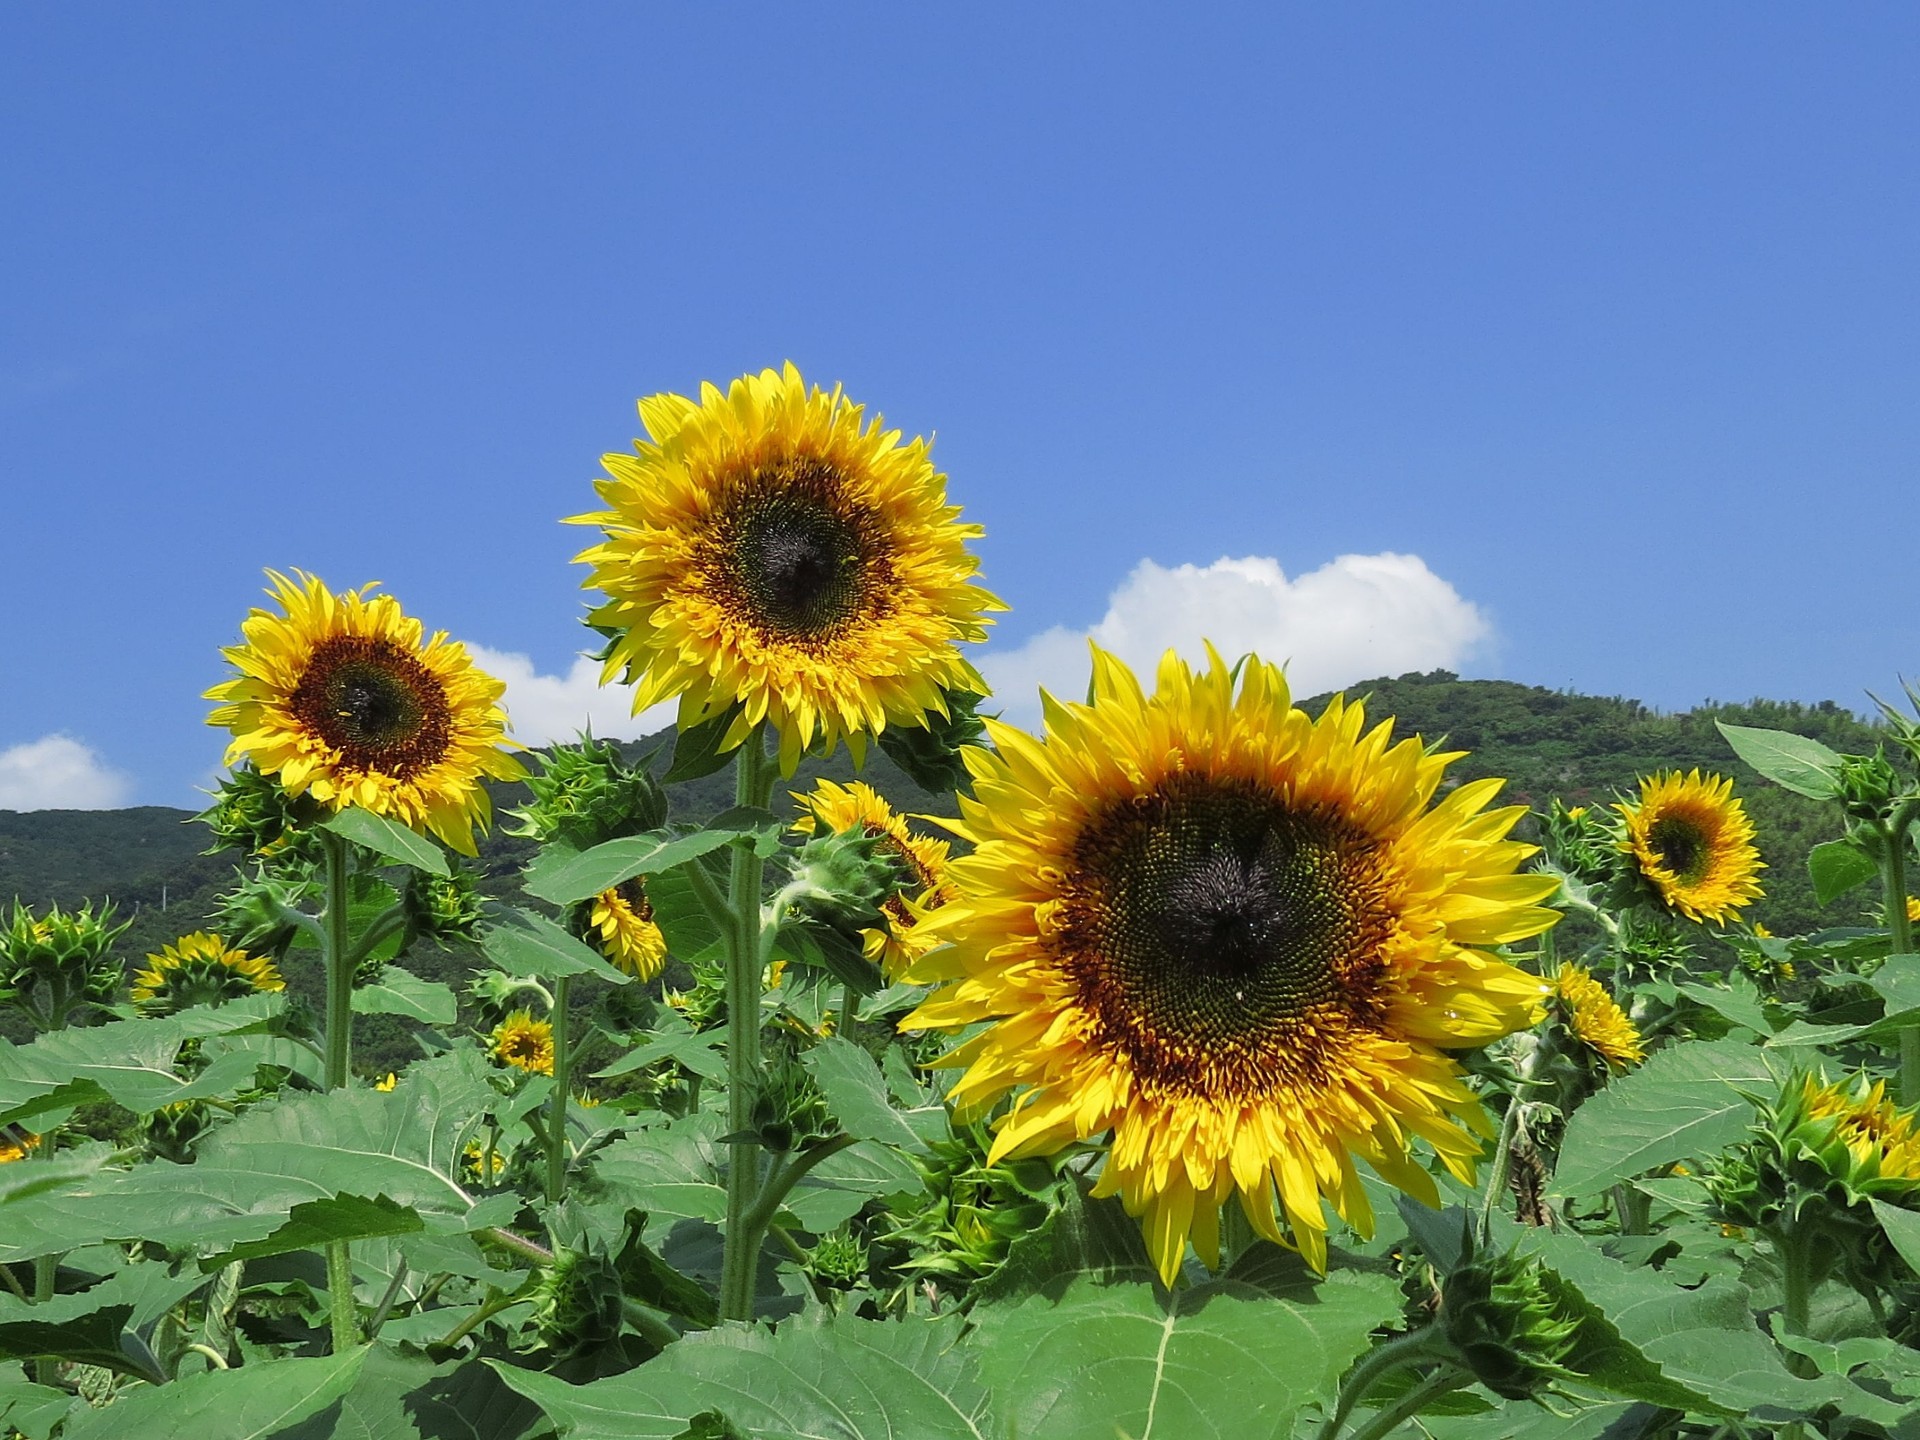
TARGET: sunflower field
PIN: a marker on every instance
(1220, 1073)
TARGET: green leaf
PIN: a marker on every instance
(303, 1150)
(255, 1401)
(92, 1326)
(1897, 982)
(1737, 1000)
(130, 1062)
(834, 1191)
(564, 877)
(1903, 1230)
(817, 1376)
(670, 1173)
(856, 1095)
(386, 838)
(409, 1398)
(677, 909)
(680, 1044)
(1837, 867)
(400, 992)
(1686, 1101)
(32, 1409)
(696, 749)
(1107, 1359)
(313, 1223)
(1791, 761)
(523, 943)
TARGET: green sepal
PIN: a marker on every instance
(930, 753)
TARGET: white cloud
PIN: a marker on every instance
(546, 708)
(1352, 619)
(57, 772)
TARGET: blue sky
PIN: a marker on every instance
(1589, 333)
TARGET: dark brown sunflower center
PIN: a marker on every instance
(1226, 942)
(634, 893)
(1680, 847)
(376, 704)
(794, 559)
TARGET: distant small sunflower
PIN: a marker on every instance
(624, 929)
(769, 546)
(1240, 939)
(345, 699)
(1593, 1016)
(1913, 909)
(1694, 844)
(858, 806)
(16, 1144)
(521, 1040)
(201, 969)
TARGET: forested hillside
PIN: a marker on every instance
(1581, 747)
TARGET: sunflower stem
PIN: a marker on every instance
(338, 957)
(1413, 1348)
(1502, 1159)
(557, 1102)
(1437, 1384)
(1796, 1276)
(1894, 871)
(752, 785)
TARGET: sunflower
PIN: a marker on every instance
(1694, 844)
(525, 1042)
(1592, 1015)
(1913, 909)
(768, 547)
(1236, 937)
(1853, 1132)
(343, 699)
(622, 918)
(201, 969)
(16, 1143)
(834, 807)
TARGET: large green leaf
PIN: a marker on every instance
(671, 1173)
(816, 1378)
(1223, 1361)
(1686, 1101)
(857, 1096)
(250, 1403)
(1702, 1339)
(1838, 866)
(1898, 984)
(130, 1062)
(348, 1161)
(1791, 761)
(564, 877)
(400, 992)
(93, 1326)
(673, 1039)
(409, 1398)
(388, 839)
(523, 943)
(32, 1409)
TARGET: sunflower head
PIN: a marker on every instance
(772, 553)
(344, 698)
(252, 813)
(524, 1042)
(16, 1143)
(1240, 939)
(201, 969)
(1862, 1142)
(1595, 1020)
(919, 864)
(1693, 845)
(621, 926)
(586, 793)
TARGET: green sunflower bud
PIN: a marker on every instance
(839, 1259)
(260, 912)
(443, 907)
(577, 1304)
(586, 794)
(1850, 1136)
(170, 1131)
(1580, 841)
(59, 958)
(1868, 786)
(1506, 1317)
(840, 879)
(253, 814)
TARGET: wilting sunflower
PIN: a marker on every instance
(1694, 844)
(525, 1042)
(1601, 1025)
(201, 969)
(834, 807)
(1236, 937)
(771, 547)
(622, 921)
(344, 699)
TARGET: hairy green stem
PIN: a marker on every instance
(385, 1307)
(338, 955)
(1444, 1379)
(1414, 1348)
(562, 1077)
(45, 1270)
(849, 1005)
(1502, 1161)
(752, 784)
(1894, 871)
(650, 1324)
(478, 1318)
(518, 1245)
(781, 1182)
